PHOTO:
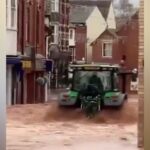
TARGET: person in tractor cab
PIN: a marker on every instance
(95, 80)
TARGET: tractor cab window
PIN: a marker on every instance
(116, 82)
(83, 78)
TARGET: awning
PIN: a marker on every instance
(13, 60)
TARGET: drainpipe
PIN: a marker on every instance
(49, 73)
(22, 51)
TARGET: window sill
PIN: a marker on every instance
(108, 57)
(54, 11)
(11, 29)
(56, 43)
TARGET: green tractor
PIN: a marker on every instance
(96, 84)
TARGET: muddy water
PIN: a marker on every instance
(45, 127)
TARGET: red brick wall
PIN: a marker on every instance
(24, 6)
(35, 30)
(80, 37)
(130, 45)
(126, 45)
(64, 25)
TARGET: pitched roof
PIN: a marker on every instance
(113, 32)
(110, 31)
(103, 5)
(79, 14)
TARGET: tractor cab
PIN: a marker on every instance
(104, 77)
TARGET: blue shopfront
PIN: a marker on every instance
(21, 78)
(14, 74)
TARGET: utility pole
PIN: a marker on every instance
(3, 75)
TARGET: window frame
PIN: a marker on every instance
(9, 19)
(71, 31)
(55, 34)
(54, 5)
(107, 42)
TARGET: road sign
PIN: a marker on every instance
(44, 65)
(26, 64)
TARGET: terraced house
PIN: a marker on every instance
(58, 39)
(96, 17)
(32, 49)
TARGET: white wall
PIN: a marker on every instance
(8, 85)
(11, 42)
(3, 75)
(96, 24)
(11, 32)
(111, 18)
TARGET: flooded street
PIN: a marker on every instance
(71, 136)
(45, 126)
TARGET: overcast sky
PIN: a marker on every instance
(135, 2)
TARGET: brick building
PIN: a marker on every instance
(78, 30)
(31, 47)
(115, 46)
(65, 54)
(64, 26)
(77, 41)
(112, 45)
(106, 48)
(59, 24)
(58, 39)
(129, 40)
(80, 39)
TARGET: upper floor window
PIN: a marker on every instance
(11, 14)
(71, 33)
(28, 24)
(55, 34)
(107, 47)
(55, 5)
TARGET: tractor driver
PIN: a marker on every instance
(95, 80)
